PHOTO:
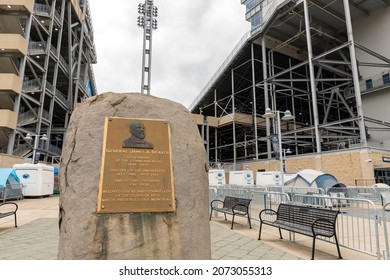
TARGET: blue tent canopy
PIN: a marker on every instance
(312, 178)
(8, 176)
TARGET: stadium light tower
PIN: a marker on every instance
(148, 12)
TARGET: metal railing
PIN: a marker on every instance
(55, 150)
(261, 198)
(359, 226)
(61, 59)
(45, 10)
(40, 48)
(53, 50)
(57, 15)
(61, 97)
(63, 62)
(32, 85)
(11, 191)
(371, 193)
(36, 85)
(270, 10)
(58, 94)
(22, 151)
(32, 116)
(36, 47)
(41, 9)
(27, 117)
(385, 219)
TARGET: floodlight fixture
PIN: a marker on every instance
(155, 11)
(282, 152)
(141, 8)
(36, 139)
(154, 24)
(147, 21)
(140, 21)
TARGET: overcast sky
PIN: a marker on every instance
(192, 41)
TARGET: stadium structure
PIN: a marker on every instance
(327, 63)
(46, 55)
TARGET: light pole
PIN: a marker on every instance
(285, 151)
(36, 139)
(147, 21)
(287, 117)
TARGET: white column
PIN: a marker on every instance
(355, 74)
(313, 87)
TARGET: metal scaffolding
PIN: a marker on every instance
(301, 58)
(56, 72)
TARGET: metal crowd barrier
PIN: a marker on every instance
(357, 223)
(11, 191)
(371, 193)
(360, 225)
(385, 218)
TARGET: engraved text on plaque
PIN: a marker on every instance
(137, 172)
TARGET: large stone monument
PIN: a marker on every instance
(133, 181)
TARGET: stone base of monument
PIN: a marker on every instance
(133, 182)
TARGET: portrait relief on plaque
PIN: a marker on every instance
(137, 138)
(137, 171)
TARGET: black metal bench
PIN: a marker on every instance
(305, 220)
(233, 206)
(8, 212)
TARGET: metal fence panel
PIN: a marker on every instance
(385, 219)
(371, 193)
(11, 191)
(358, 225)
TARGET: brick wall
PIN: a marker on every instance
(349, 167)
(7, 161)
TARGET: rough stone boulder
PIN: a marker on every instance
(84, 234)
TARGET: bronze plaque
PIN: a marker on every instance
(137, 172)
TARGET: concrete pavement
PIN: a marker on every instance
(36, 238)
(227, 244)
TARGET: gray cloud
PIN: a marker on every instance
(192, 40)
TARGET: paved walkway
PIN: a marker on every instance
(227, 244)
(36, 238)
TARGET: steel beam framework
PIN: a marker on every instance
(302, 59)
(57, 73)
